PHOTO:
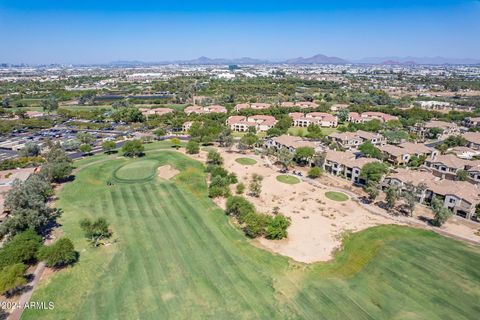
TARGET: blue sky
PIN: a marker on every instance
(48, 31)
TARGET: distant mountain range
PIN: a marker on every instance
(417, 60)
(316, 59)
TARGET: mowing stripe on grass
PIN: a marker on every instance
(176, 193)
(219, 271)
(194, 268)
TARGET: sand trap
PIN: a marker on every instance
(318, 223)
(167, 172)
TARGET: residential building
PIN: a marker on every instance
(346, 164)
(351, 140)
(291, 143)
(459, 196)
(346, 140)
(254, 106)
(321, 119)
(447, 166)
(375, 138)
(356, 117)
(401, 154)
(204, 110)
(448, 129)
(186, 126)
(465, 152)
(473, 139)
(299, 104)
(155, 111)
(259, 122)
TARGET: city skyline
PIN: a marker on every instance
(89, 32)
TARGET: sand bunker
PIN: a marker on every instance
(318, 223)
(167, 172)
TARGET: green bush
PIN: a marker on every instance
(193, 147)
(59, 254)
(314, 172)
(22, 248)
(277, 227)
(239, 207)
(12, 276)
(240, 188)
(255, 224)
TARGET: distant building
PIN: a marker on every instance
(291, 143)
(254, 106)
(155, 111)
(422, 129)
(321, 119)
(299, 104)
(352, 140)
(356, 117)
(259, 122)
(205, 110)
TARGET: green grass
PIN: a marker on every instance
(288, 179)
(138, 171)
(336, 196)
(246, 161)
(178, 257)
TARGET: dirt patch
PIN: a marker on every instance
(318, 223)
(167, 172)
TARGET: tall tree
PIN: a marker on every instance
(50, 104)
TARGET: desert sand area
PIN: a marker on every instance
(167, 172)
(318, 223)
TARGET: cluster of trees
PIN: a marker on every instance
(256, 224)
(281, 127)
(49, 105)
(192, 147)
(127, 115)
(26, 248)
(451, 142)
(133, 148)
(370, 151)
(57, 166)
(22, 162)
(220, 178)
(27, 204)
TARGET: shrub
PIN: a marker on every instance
(109, 146)
(240, 188)
(255, 224)
(95, 230)
(214, 158)
(11, 277)
(277, 227)
(193, 147)
(133, 148)
(59, 254)
(22, 248)
(238, 207)
(314, 172)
